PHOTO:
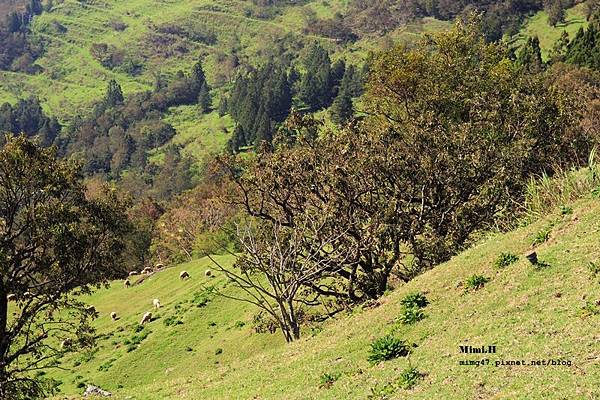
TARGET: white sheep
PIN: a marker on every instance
(127, 283)
(146, 318)
(147, 270)
(11, 297)
(66, 343)
(133, 273)
(113, 316)
(184, 275)
(208, 272)
(159, 266)
(156, 303)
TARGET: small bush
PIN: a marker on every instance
(476, 282)
(594, 269)
(566, 210)
(409, 378)
(239, 324)
(411, 315)
(327, 380)
(415, 300)
(382, 391)
(505, 259)
(263, 323)
(591, 309)
(542, 236)
(172, 320)
(387, 348)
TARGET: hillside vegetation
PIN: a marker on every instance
(529, 313)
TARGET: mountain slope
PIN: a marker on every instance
(529, 313)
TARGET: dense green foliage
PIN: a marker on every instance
(387, 348)
(55, 244)
(584, 48)
(27, 117)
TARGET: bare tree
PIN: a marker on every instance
(279, 267)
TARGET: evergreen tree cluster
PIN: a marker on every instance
(27, 117)
(584, 49)
(258, 102)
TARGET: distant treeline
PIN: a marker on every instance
(17, 52)
(380, 16)
(262, 98)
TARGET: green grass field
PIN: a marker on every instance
(548, 35)
(529, 313)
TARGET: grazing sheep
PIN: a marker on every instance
(208, 272)
(27, 294)
(184, 275)
(127, 283)
(147, 270)
(156, 303)
(11, 297)
(146, 318)
(113, 316)
(66, 343)
(91, 309)
(133, 273)
(159, 266)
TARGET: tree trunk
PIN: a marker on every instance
(4, 341)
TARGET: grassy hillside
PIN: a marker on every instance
(529, 313)
(184, 335)
(538, 26)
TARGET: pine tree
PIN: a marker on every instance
(204, 99)
(198, 77)
(530, 56)
(559, 50)
(342, 108)
(13, 22)
(114, 94)
(316, 87)
(263, 130)
(223, 106)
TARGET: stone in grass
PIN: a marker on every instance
(96, 391)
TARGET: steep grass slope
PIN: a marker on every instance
(185, 334)
(530, 313)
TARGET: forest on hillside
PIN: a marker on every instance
(340, 178)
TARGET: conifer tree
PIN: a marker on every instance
(530, 56)
(114, 94)
(204, 99)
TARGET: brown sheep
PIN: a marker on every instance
(184, 275)
(147, 317)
